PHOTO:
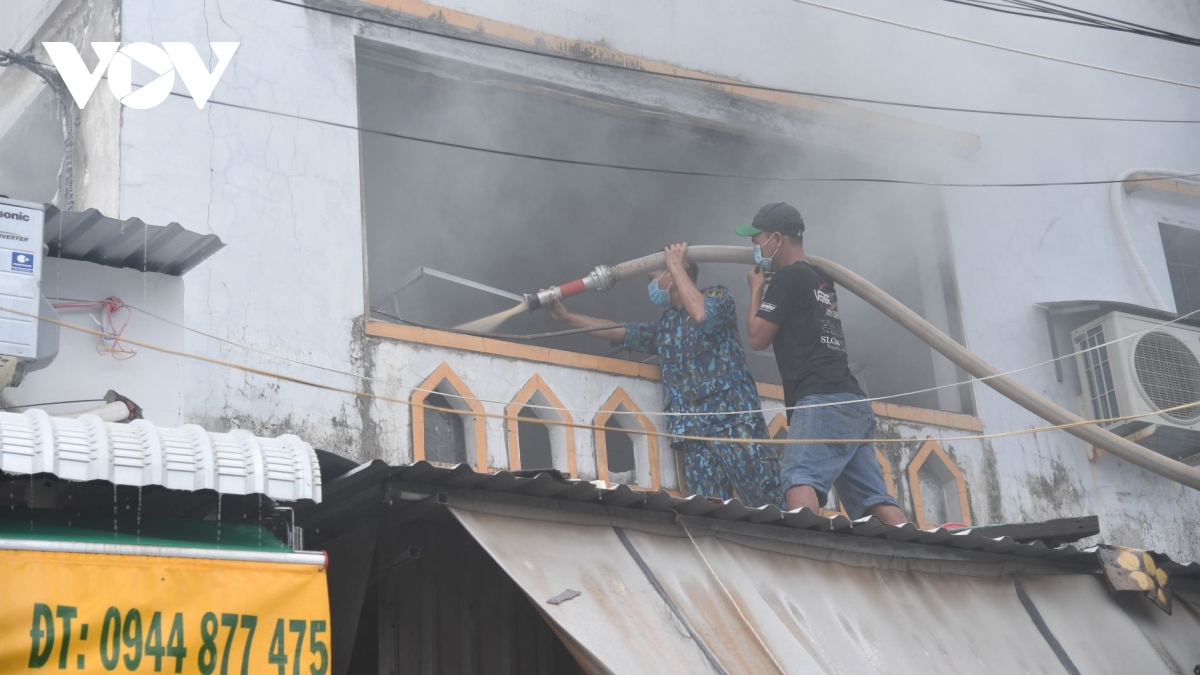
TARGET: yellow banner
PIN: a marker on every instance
(91, 613)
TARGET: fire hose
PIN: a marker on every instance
(604, 277)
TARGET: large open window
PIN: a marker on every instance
(521, 224)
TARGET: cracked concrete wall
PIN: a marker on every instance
(281, 193)
(284, 194)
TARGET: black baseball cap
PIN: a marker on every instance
(775, 217)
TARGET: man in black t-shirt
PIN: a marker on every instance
(799, 316)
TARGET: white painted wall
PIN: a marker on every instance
(497, 381)
(284, 195)
(153, 380)
(21, 19)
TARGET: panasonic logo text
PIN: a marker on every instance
(172, 58)
(15, 216)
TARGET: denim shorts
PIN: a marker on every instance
(850, 467)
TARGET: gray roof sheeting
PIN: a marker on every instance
(544, 485)
(93, 237)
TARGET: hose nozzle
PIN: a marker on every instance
(540, 299)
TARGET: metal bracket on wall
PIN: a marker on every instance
(1051, 313)
(406, 555)
(405, 506)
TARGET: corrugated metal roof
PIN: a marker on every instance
(93, 237)
(545, 485)
(140, 454)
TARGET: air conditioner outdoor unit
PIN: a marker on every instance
(1151, 368)
(23, 336)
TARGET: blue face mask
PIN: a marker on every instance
(764, 263)
(657, 295)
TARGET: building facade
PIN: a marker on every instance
(350, 143)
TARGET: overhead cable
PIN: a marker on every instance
(724, 82)
(764, 411)
(680, 172)
(594, 427)
(992, 45)
(1050, 11)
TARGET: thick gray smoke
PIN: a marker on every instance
(520, 224)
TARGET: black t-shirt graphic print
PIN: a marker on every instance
(810, 346)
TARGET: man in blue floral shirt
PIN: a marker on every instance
(703, 371)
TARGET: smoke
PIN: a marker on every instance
(520, 225)
(32, 152)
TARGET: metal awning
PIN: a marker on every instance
(350, 492)
(616, 575)
(141, 454)
(637, 596)
(633, 596)
(91, 236)
(1094, 308)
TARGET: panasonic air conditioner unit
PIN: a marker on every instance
(1134, 366)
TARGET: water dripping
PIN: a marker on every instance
(145, 260)
(139, 515)
(218, 519)
(116, 510)
(260, 525)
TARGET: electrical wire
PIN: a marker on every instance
(876, 399)
(110, 344)
(680, 172)
(595, 427)
(1049, 11)
(42, 405)
(992, 45)
(763, 411)
(46, 72)
(535, 406)
(11, 59)
(725, 82)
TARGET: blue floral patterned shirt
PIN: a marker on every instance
(703, 366)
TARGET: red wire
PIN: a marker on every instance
(108, 307)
